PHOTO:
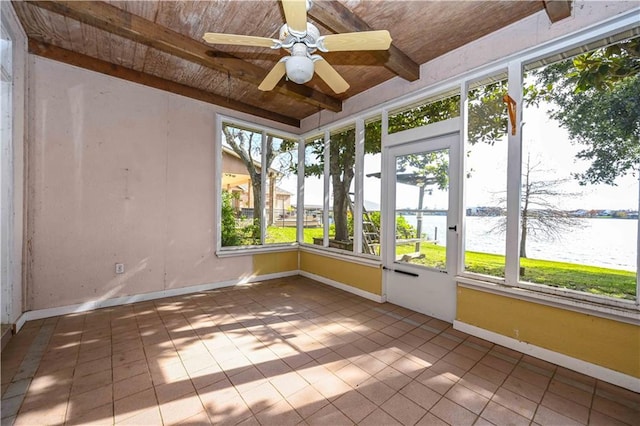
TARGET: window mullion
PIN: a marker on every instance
(325, 202)
(514, 174)
(264, 176)
(638, 252)
(359, 180)
(300, 199)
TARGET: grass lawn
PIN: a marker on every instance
(590, 279)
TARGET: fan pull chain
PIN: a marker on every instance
(228, 86)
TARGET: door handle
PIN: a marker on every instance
(412, 274)
(453, 228)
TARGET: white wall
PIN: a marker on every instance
(119, 173)
(13, 177)
(515, 38)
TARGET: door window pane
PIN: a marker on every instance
(421, 205)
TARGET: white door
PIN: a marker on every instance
(421, 230)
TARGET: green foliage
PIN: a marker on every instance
(487, 113)
(425, 114)
(590, 279)
(230, 237)
(596, 97)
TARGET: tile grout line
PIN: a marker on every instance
(29, 366)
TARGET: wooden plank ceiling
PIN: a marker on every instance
(159, 44)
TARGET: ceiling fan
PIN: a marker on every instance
(301, 39)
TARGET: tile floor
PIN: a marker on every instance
(288, 351)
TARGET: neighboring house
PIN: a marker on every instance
(236, 180)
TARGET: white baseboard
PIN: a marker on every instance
(575, 364)
(345, 287)
(125, 300)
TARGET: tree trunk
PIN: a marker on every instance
(523, 237)
(341, 165)
(340, 211)
(257, 198)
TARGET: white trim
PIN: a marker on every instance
(125, 300)
(430, 131)
(561, 301)
(611, 376)
(250, 250)
(22, 319)
(217, 180)
(346, 256)
(349, 289)
(514, 177)
(326, 190)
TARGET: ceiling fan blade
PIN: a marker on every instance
(241, 40)
(330, 76)
(365, 40)
(274, 76)
(295, 12)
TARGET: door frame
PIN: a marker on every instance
(444, 134)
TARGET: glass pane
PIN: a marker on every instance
(486, 180)
(313, 191)
(422, 202)
(371, 189)
(429, 111)
(580, 166)
(241, 186)
(282, 190)
(342, 158)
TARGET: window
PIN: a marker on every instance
(249, 158)
(581, 159)
(371, 188)
(426, 112)
(313, 208)
(281, 193)
(485, 178)
(342, 160)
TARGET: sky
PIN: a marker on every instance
(543, 140)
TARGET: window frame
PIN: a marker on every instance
(227, 251)
(515, 64)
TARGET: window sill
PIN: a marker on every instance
(618, 310)
(348, 256)
(249, 250)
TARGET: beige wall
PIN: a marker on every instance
(118, 173)
(601, 341)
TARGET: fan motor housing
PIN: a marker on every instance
(309, 38)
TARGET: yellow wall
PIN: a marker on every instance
(272, 263)
(367, 278)
(608, 343)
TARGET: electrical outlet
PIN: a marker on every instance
(119, 268)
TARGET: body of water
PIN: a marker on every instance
(609, 243)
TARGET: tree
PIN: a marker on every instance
(486, 128)
(596, 97)
(540, 217)
(248, 146)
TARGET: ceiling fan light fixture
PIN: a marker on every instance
(299, 69)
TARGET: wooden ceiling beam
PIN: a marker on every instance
(338, 18)
(46, 50)
(118, 21)
(557, 9)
